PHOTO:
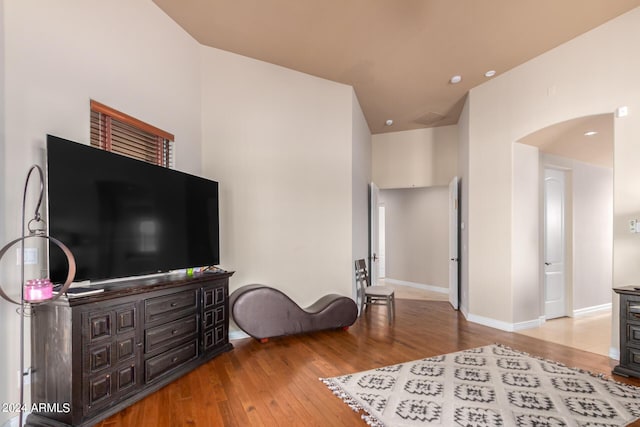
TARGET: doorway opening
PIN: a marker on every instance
(572, 257)
(411, 241)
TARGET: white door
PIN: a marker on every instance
(373, 231)
(554, 243)
(453, 242)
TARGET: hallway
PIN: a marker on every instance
(589, 332)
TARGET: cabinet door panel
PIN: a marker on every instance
(126, 378)
(219, 314)
(99, 326)
(219, 295)
(125, 319)
(208, 319)
(220, 334)
(99, 389)
(100, 357)
(126, 348)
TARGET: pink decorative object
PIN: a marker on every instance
(38, 290)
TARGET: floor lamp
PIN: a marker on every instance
(35, 228)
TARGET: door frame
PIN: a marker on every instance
(382, 232)
(454, 243)
(373, 232)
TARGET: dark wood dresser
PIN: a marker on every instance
(92, 356)
(629, 332)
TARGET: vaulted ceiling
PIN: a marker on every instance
(399, 55)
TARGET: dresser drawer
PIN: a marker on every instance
(633, 358)
(170, 307)
(166, 362)
(633, 334)
(170, 334)
(633, 309)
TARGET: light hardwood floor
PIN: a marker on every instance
(276, 383)
(410, 292)
(590, 332)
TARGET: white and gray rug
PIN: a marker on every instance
(486, 386)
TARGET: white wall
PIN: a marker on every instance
(592, 74)
(280, 144)
(361, 178)
(59, 55)
(417, 235)
(415, 158)
(526, 234)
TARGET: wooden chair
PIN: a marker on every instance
(369, 295)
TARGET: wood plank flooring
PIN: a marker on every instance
(276, 383)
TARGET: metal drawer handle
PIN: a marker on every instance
(175, 331)
(173, 304)
(174, 360)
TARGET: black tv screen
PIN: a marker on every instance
(122, 217)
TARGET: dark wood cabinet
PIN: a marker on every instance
(629, 332)
(93, 356)
(109, 356)
(215, 318)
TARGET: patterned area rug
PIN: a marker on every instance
(486, 386)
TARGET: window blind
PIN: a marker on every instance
(117, 132)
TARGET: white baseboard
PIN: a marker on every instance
(520, 326)
(464, 311)
(602, 308)
(514, 327)
(503, 326)
(432, 288)
(492, 323)
(614, 353)
(238, 335)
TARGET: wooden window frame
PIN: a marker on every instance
(164, 139)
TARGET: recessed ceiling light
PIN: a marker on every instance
(590, 133)
(388, 122)
(490, 73)
(455, 79)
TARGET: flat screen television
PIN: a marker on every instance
(122, 217)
